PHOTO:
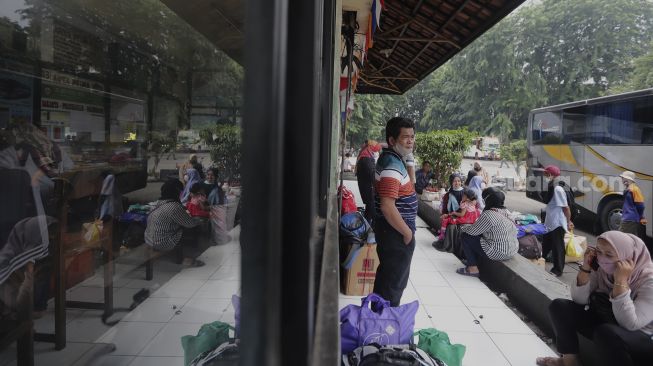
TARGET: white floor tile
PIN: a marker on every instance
(202, 311)
(87, 327)
(85, 293)
(481, 351)
(217, 289)
(179, 288)
(447, 264)
(229, 317)
(449, 318)
(159, 280)
(156, 309)
(422, 319)
(496, 320)
(101, 355)
(409, 294)
(46, 323)
(427, 278)
(45, 354)
(97, 280)
(168, 342)
(480, 297)
(440, 296)
(521, 349)
(157, 361)
(197, 273)
(421, 264)
(227, 273)
(459, 281)
(131, 337)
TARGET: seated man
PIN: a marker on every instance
(423, 177)
(169, 225)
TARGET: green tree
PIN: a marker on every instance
(515, 152)
(641, 76)
(444, 149)
(225, 144)
(371, 112)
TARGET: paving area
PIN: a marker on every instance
(463, 307)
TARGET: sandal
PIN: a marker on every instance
(193, 264)
(463, 271)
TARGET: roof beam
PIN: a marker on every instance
(396, 91)
(414, 39)
(412, 15)
(390, 78)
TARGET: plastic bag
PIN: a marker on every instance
(573, 249)
(92, 231)
(208, 337)
(436, 343)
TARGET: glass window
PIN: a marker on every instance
(547, 128)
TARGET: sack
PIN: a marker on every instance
(404, 355)
(218, 220)
(226, 354)
(436, 343)
(530, 247)
(572, 248)
(601, 306)
(353, 229)
(208, 338)
(91, 231)
(348, 201)
(359, 325)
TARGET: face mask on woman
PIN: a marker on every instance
(607, 265)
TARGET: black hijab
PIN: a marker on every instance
(471, 174)
(493, 198)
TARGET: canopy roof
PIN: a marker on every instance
(418, 36)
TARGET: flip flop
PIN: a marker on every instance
(463, 271)
(195, 263)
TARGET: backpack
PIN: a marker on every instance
(396, 355)
(530, 247)
(571, 201)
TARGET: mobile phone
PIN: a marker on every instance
(594, 264)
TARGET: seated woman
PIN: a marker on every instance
(493, 235)
(169, 225)
(214, 191)
(466, 214)
(451, 200)
(191, 177)
(616, 281)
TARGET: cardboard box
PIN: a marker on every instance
(358, 279)
(583, 243)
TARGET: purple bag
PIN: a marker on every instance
(359, 325)
(235, 301)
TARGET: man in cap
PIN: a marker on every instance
(557, 221)
(633, 210)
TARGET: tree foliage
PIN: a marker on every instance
(225, 144)
(515, 152)
(443, 149)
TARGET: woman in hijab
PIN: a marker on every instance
(493, 235)
(213, 188)
(476, 185)
(470, 174)
(451, 201)
(191, 177)
(616, 283)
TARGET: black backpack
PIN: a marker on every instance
(399, 355)
(571, 201)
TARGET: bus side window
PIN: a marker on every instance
(547, 129)
(647, 136)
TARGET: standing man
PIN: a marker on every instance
(396, 209)
(365, 176)
(424, 176)
(483, 173)
(633, 210)
(557, 221)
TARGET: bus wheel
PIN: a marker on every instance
(611, 215)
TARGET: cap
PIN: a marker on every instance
(552, 170)
(628, 175)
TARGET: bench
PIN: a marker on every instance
(152, 255)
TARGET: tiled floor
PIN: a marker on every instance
(463, 307)
(181, 301)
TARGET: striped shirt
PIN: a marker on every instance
(166, 223)
(391, 180)
(498, 234)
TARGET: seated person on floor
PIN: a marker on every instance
(493, 235)
(467, 213)
(169, 225)
(197, 205)
(451, 200)
(615, 283)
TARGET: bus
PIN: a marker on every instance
(592, 142)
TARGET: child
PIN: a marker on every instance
(466, 214)
(196, 205)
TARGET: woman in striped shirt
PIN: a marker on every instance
(169, 225)
(493, 235)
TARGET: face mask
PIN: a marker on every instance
(402, 151)
(606, 265)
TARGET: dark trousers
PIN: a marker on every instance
(554, 241)
(365, 168)
(189, 242)
(472, 248)
(394, 262)
(617, 345)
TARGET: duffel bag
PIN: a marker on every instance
(395, 355)
(530, 247)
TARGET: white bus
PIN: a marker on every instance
(592, 142)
